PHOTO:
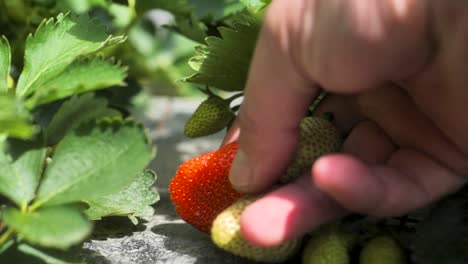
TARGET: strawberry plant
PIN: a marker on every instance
(221, 64)
(70, 154)
(66, 156)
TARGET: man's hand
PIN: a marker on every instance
(397, 71)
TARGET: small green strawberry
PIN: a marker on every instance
(318, 137)
(225, 233)
(211, 116)
(329, 245)
(382, 250)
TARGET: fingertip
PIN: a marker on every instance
(348, 180)
(271, 110)
(240, 174)
(249, 177)
(262, 226)
(329, 172)
(287, 213)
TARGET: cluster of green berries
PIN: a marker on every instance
(318, 136)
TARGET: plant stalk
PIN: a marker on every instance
(5, 237)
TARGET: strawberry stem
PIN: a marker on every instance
(317, 101)
(6, 236)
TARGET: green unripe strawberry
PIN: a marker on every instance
(211, 116)
(225, 233)
(329, 245)
(382, 250)
(318, 137)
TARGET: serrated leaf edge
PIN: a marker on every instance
(111, 40)
(104, 121)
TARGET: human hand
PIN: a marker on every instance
(396, 70)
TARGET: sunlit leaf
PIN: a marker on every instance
(56, 44)
(93, 160)
(57, 227)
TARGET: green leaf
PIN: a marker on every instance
(55, 45)
(191, 28)
(256, 5)
(5, 60)
(133, 200)
(74, 112)
(442, 238)
(214, 10)
(6, 246)
(23, 253)
(81, 76)
(81, 6)
(20, 170)
(224, 63)
(55, 227)
(45, 257)
(176, 7)
(201, 9)
(93, 160)
(14, 118)
(122, 15)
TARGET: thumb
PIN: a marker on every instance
(276, 98)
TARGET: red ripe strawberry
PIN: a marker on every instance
(201, 189)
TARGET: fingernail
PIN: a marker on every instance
(241, 176)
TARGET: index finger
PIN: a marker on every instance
(277, 96)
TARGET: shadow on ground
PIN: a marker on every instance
(116, 227)
(186, 240)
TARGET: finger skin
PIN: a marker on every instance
(232, 134)
(277, 97)
(288, 212)
(296, 50)
(369, 143)
(354, 45)
(408, 181)
(440, 90)
(423, 151)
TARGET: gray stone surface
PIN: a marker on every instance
(162, 238)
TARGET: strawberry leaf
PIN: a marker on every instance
(191, 28)
(79, 109)
(56, 44)
(81, 76)
(5, 247)
(56, 227)
(176, 7)
(5, 59)
(93, 160)
(14, 118)
(214, 10)
(255, 5)
(81, 6)
(20, 168)
(224, 62)
(25, 253)
(200, 9)
(134, 200)
(45, 257)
